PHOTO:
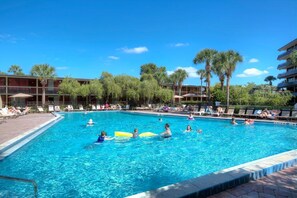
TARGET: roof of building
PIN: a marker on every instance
(290, 44)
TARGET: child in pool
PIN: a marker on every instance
(103, 137)
(167, 132)
(135, 133)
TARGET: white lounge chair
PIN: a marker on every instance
(98, 107)
(4, 113)
(93, 108)
(81, 108)
(57, 108)
(70, 108)
(40, 109)
(50, 108)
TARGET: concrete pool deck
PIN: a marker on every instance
(280, 184)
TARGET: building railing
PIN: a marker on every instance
(27, 90)
(283, 55)
(287, 74)
(287, 84)
(283, 65)
(22, 180)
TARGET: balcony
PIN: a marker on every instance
(288, 74)
(284, 65)
(26, 90)
(285, 55)
(287, 84)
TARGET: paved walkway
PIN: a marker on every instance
(281, 184)
(13, 127)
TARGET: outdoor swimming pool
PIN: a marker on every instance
(65, 163)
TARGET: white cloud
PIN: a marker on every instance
(61, 68)
(270, 67)
(190, 70)
(251, 73)
(8, 38)
(180, 45)
(135, 50)
(113, 57)
(253, 60)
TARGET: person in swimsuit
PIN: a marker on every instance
(103, 137)
(167, 132)
(188, 129)
(90, 123)
(233, 121)
(135, 133)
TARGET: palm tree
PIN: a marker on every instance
(269, 79)
(202, 75)
(219, 68)
(181, 76)
(207, 56)
(43, 72)
(16, 70)
(173, 81)
(231, 58)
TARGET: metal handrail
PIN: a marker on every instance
(22, 180)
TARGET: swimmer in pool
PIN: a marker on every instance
(167, 132)
(188, 129)
(103, 137)
(90, 123)
(135, 133)
(191, 117)
(233, 121)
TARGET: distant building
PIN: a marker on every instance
(10, 85)
(290, 74)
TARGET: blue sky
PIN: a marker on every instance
(83, 38)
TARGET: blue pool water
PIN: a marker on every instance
(65, 162)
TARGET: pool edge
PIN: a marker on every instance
(219, 181)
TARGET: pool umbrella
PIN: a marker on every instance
(176, 96)
(21, 95)
(190, 95)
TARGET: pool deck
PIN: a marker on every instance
(277, 184)
(13, 127)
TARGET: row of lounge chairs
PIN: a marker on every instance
(12, 112)
(56, 108)
(251, 113)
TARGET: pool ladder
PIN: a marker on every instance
(22, 180)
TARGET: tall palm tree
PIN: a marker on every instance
(219, 67)
(202, 75)
(206, 56)
(16, 70)
(232, 58)
(269, 79)
(173, 81)
(181, 76)
(43, 72)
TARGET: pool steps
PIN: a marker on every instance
(14, 144)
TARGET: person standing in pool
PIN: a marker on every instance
(135, 133)
(188, 129)
(167, 132)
